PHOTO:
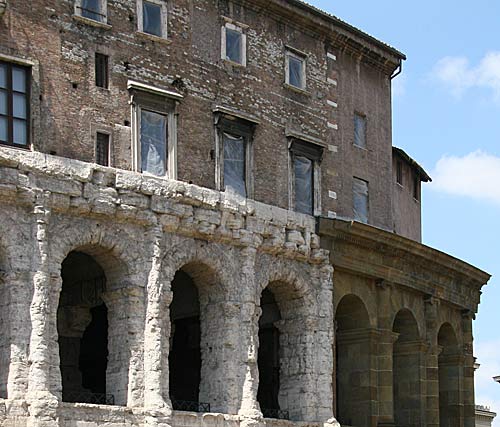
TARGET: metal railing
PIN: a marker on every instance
(88, 397)
(185, 405)
(275, 413)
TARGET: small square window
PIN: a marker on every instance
(359, 130)
(102, 149)
(152, 17)
(295, 70)
(233, 44)
(101, 70)
(92, 9)
(360, 200)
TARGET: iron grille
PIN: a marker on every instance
(275, 413)
(88, 397)
(185, 405)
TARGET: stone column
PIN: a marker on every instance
(41, 397)
(432, 362)
(468, 370)
(385, 349)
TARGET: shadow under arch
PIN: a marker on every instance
(408, 370)
(449, 367)
(92, 326)
(353, 364)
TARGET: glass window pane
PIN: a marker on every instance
(19, 102)
(19, 79)
(359, 131)
(303, 168)
(233, 45)
(3, 129)
(3, 75)
(234, 164)
(92, 9)
(295, 72)
(3, 102)
(360, 200)
(151, 18)
(153, 143)
(20, 132)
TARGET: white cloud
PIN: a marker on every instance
(475, 175)
(459, 75)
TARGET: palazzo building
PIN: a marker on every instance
(204, 223)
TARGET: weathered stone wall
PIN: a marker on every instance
(141, 230)
(67, 107)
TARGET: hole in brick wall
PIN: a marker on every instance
(126, 123)
(74, 85)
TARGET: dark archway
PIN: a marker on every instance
(353, 394)
(185, 350)
(450, 407)
(82, 325)
(269, 356)
(406, 362)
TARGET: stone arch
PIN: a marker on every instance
(450, 361)
(104, 246)
(201, 275)
(408, 368)
(354, 343)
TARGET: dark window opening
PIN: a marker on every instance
(102, 149)
(416, 187)
(296, 72)
(234, 46)
(399, 172)
(101, 70)
(269, 357)
(14, 104)
(185, 352)
(82, 325)
(92, 9)
(151, 18)
(359, 130)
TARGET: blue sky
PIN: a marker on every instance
(446, 114)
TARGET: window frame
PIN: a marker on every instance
(313, 152)
(104, 13)
(10, 114)
(163, 17)
(354, 179)
(106, 70)
(236, 126)
(358, 115)
(301, 56)
(105, 130)
(239, 28)
(159, 101)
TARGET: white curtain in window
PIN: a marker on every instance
(151, 14)
(233, 45)
(303, 169)
(153, 143)
(295, 71)
(234, 164)
(360, 200)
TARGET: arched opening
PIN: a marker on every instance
(450, 408)
(185, 349)
(406, 362)
(82, 325)
(269, 356)
(353, 390)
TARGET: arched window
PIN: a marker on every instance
(82, 324)
(406, 373)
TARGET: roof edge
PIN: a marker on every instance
(423, 174)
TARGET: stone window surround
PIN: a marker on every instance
(245, 125)
(164, 19)
(108, 130)
(78, 14)
(316, 144)
(291, 52)
(240, 28)
(137, 89)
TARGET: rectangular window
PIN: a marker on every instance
(233, 44)
(295, 70)
(153, 142)
(416, 187)
(152, 17)
(102, 149)
(399, 172)
(360, 200)
(305, 160)
(359, 130)
(101, 70)
(92, 9)
(14, 104)
(234, 162)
